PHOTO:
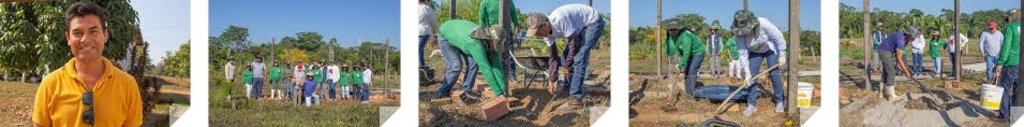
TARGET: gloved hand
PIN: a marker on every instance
(782, 57)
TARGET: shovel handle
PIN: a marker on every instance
(745, 84)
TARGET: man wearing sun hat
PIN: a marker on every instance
(582, 26)
(763, 41)
(989, 43)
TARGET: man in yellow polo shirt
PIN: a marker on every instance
(88, 90)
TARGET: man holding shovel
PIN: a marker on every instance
(690, 50)
(891, 51)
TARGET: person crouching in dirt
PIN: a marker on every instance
(582, 26)
(891, 52)
(1009, 59)
(688, 46)
(474, 41)
(762, 40)
(454, 59)
(308, 89)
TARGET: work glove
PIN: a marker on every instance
(782, 57)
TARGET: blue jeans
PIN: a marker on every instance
(990, 66)
(1009, 83)
(365, 94)
(453, 60)
(917, 68)
(423, 42)
(330, 88)
(938, 64)
(581, 55)
(289, 90)
(257, 87)
(692, 68)
(952, 59)
(755, 68)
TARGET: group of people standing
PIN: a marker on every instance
(315, 81)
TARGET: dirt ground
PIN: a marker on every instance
(653, 104)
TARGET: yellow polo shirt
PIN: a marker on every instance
(116, 99)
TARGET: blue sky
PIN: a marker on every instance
(546, 6)
(165, 25)
(371, 20)
(644, 12)
(935, 7)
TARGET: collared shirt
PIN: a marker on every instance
(116, 98)
(953, 45)
(568, 20)
(257, 69)
(297, 75)
(357, 77)
(427, 17)
(878, 37)
(894, 42)
(366, 76)
(766, 32)
(346, 78)
(332, 71)
(917, 46)
(990, 42)
(229, 71)
(934, 45)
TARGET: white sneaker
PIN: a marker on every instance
(891, 90)
(750, 110)
(780, 107)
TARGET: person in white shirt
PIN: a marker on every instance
(763, 41)
(427, 26)
(989, 44)
(229, 70)
(953, 46)
(298, 77)
(366, 82)
(917, 52)
(332, 80)
(582, 26)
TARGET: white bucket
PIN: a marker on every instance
(991, 96)
(804, 94)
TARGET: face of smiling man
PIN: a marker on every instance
(87, 38)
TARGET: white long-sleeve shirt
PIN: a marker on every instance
(917, 46)
(953, 44)
(366, 76)
(990, 42)
(427, 19)
(229, 71)
(568, 20)
(332, 73)
(766, 31)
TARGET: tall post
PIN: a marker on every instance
(451, 9)
(590, 3)
(746, 5)
(867, 45)
(1019, 100)
(272, 60)
(956, 40)
(659, 41)
(792, 56)
(387, 63)
(505, 23)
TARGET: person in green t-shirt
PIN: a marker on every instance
(935, 47)
(1009, 60)
(357, 79)
(247, 79)
(345, 81)
(689, 49)
(275, 81)
(738, 65)
(460, 34)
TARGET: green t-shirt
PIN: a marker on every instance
(457, 33)
(345, 77)
(688, 45)
(318, 75)
(1008, 53)
(247, 77)
(357, 77)
(487, 14)
(734, 53)
(275, 73)
(935, 46)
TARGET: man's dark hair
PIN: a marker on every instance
(85, 8)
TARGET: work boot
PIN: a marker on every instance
(576, 102)
(750, 110)
(780, 107)
(891, 91)
(552, 86)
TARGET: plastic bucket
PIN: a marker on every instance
(804, 94)
(991, 96)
